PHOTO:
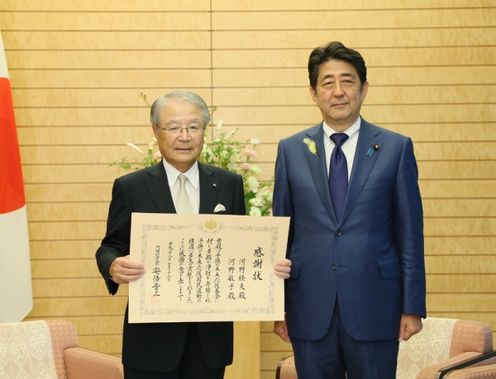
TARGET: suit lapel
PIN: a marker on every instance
(317, 164)
(365, 158)
(158, 186)
(208, 189)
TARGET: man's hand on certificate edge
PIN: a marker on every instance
(283, 268)
(123, 270)
(281, 329)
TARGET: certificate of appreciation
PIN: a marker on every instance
(207, 268)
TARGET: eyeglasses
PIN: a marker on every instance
(192, 129)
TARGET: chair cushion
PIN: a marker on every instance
(471, 335)
(84, 364)
(64, 336)
(26, 351)
(430, 346)
(286, 369)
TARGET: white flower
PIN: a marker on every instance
(312, 147)
(256, 201)
(218, 127)
(255, 170)
(267, 195)
(254, 211)
(252, 183)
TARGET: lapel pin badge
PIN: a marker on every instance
(372, 149)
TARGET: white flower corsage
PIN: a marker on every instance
(312, 147)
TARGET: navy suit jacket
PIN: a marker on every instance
(372, 260)
(159, 346)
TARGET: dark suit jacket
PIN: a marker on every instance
(159, 346)
(372, 260)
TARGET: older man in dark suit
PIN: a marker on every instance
(179, 183)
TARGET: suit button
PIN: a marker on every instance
(333, 267)
(338, 233)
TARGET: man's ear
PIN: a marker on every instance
(155, 130)
(313, 93)
(364, 90)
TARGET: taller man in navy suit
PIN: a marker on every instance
(357, 282)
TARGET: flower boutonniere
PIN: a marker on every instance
(312, 147)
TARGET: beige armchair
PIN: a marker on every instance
(50, 349)
(445, 348)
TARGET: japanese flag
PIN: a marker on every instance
(16, 298)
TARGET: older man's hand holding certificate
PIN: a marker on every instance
(207, 268)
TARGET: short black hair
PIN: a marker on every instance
(335, 50)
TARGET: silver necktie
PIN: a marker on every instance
(183, 202)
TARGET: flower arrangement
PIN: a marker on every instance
(225, 152)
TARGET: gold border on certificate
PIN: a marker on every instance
(207, 268)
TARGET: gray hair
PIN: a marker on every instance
(187, 96)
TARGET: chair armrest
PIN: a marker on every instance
(286, 368)
(430, 372)
(83, 364)
(488, 357)
(480, 372)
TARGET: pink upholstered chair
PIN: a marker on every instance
(51, 348)
(437, 352)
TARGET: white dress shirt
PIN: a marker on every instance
(192, 184)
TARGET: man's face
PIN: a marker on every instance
(339, 94)
(182, 147)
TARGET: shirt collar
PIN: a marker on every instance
(173, 173)
(351, 131)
